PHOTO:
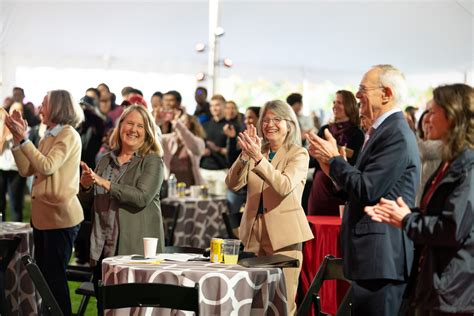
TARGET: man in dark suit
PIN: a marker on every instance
(377, 257)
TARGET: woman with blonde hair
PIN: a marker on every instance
(123, 191)
(55, 209)
(274, 169)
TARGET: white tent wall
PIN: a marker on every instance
(295, 41)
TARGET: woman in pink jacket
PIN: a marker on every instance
(183, 149)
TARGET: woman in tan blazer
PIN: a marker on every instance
(274, 169)
(55, 209)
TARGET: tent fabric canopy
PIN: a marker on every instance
(319, 40)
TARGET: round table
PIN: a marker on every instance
(223, 289)
(19, 288)
(199, 221)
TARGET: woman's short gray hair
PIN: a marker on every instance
(284, 111)
(63, 109)
(393, 78)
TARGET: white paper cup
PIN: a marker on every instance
(341, 210)
(149, 247)
(195, 191)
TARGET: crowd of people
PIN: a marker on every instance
(407, 234)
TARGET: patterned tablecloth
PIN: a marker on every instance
(223, 289)
(199, 221)
(19, 289)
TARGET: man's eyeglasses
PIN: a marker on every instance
(363, 89)
(276, 121)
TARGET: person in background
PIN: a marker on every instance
(125, 93)
(325, 197)
(104, 89)
(156, 105)
(55, 209)
(28, 109)
(184, 148)
(11, 182)
(274, 170)
(94, 93)
(171, 102)
(123, 191)
(295, 100)
(410, 116)
(235, 199)
(376, 257)
(202, 110)
(214, 162)
(442, 228)
(430, 150)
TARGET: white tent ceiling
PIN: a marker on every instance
(319, 40)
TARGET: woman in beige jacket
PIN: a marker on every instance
(55, 209)
(274, 170)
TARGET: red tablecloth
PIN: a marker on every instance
(326, 242)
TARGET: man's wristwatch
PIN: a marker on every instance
(23, 141)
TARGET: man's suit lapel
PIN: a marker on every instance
(365, 154)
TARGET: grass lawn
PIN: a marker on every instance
(75, 299)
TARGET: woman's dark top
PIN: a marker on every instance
(325, 198)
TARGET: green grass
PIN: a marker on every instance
(75, 299)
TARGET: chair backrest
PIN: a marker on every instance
(330, 269)
(8, 247)
(7, 251)
(170, 212)
(50, 305)
(150, 295)
(179, 249)
(231, 222)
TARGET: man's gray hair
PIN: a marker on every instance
(393, 78)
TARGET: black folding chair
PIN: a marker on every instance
(330, 269)
(170, 213)
(231, 222)
(156, 295)
(8, 247)
(49, 305)
(178, 249)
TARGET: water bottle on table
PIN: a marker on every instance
(172, 186)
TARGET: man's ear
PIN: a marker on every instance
(387, 94)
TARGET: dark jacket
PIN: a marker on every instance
(389, 166)
(445, 236)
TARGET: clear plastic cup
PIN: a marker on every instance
(341, 210)
(231, 251)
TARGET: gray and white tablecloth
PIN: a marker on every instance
(200, 220)
(223, 289)
(19, 288)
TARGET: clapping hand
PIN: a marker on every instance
(17, 126)
(250, 143)
(388, 211)
(229, 131)
(87, 176)
(323, 149)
